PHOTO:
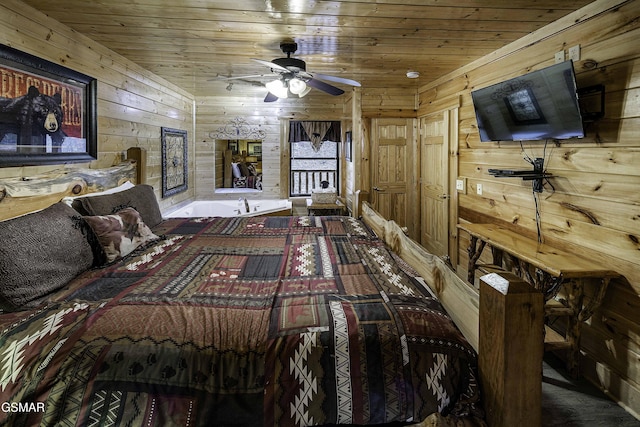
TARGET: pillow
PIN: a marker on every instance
(252, 169)
(235, 170)
(40, 253)
(141, 198)
(121, 233)
(69, 200)
(244, 169)
(240, 182)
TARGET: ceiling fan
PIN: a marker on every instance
(292, 78)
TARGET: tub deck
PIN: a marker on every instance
(231, 208)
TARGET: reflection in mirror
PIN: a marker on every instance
(238, 157)
(238, 165)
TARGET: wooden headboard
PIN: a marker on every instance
(19, 196)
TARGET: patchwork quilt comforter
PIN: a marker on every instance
(274, 321)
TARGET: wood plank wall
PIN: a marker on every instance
(595, 208)
(133, 104)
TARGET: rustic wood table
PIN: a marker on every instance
(547, 269)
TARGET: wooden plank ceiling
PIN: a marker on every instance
(191, 42)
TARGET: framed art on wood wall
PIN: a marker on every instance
(233, 146)
(174, 161)
(348, 146)
(47, 112)
(254, 148)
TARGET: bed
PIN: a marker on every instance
(114, 315)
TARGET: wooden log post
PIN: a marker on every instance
(510, 350)
(140, 156)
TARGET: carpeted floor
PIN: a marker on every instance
(577, 403)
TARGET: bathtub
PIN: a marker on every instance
(228, 208)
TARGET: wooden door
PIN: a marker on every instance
(393, 173)
(434, 165)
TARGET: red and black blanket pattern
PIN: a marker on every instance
(274, 321)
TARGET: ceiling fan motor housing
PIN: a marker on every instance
(292, 64)
(288, 47)
(289, 63)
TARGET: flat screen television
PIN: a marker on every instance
(542, 104)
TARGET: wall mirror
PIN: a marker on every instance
(238, 157)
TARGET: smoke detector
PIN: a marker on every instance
(413, 74)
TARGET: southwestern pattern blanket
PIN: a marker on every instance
(275, 321)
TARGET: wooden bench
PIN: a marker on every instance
(314, 208)
(548, 269)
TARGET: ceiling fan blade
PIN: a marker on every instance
(336, 79)
(270, 97)
(242, 77)
(325, 87)
(271, 65)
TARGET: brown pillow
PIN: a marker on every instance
(39, 253)
(121, 233)
(141, 198)
(244, 169)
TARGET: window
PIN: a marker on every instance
(310, 167)
(314, 155)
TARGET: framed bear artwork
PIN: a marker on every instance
(47, 112)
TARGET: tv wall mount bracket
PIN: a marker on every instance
(537, 175)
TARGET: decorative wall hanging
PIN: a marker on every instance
(174, 161)
(47, 112)
(238, 128)
(348, 146)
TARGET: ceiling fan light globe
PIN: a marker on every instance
(297, 86)
(278, 88)
(304, 92)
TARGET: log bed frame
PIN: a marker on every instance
(19, 196)
(22, 195)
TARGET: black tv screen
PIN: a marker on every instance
(542, 104)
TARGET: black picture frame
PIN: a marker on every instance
(254, 148)
(348, 146)
(233, 146)
(174, 161)
(47, 112)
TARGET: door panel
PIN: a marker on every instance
(434, 148)
(392, 141)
